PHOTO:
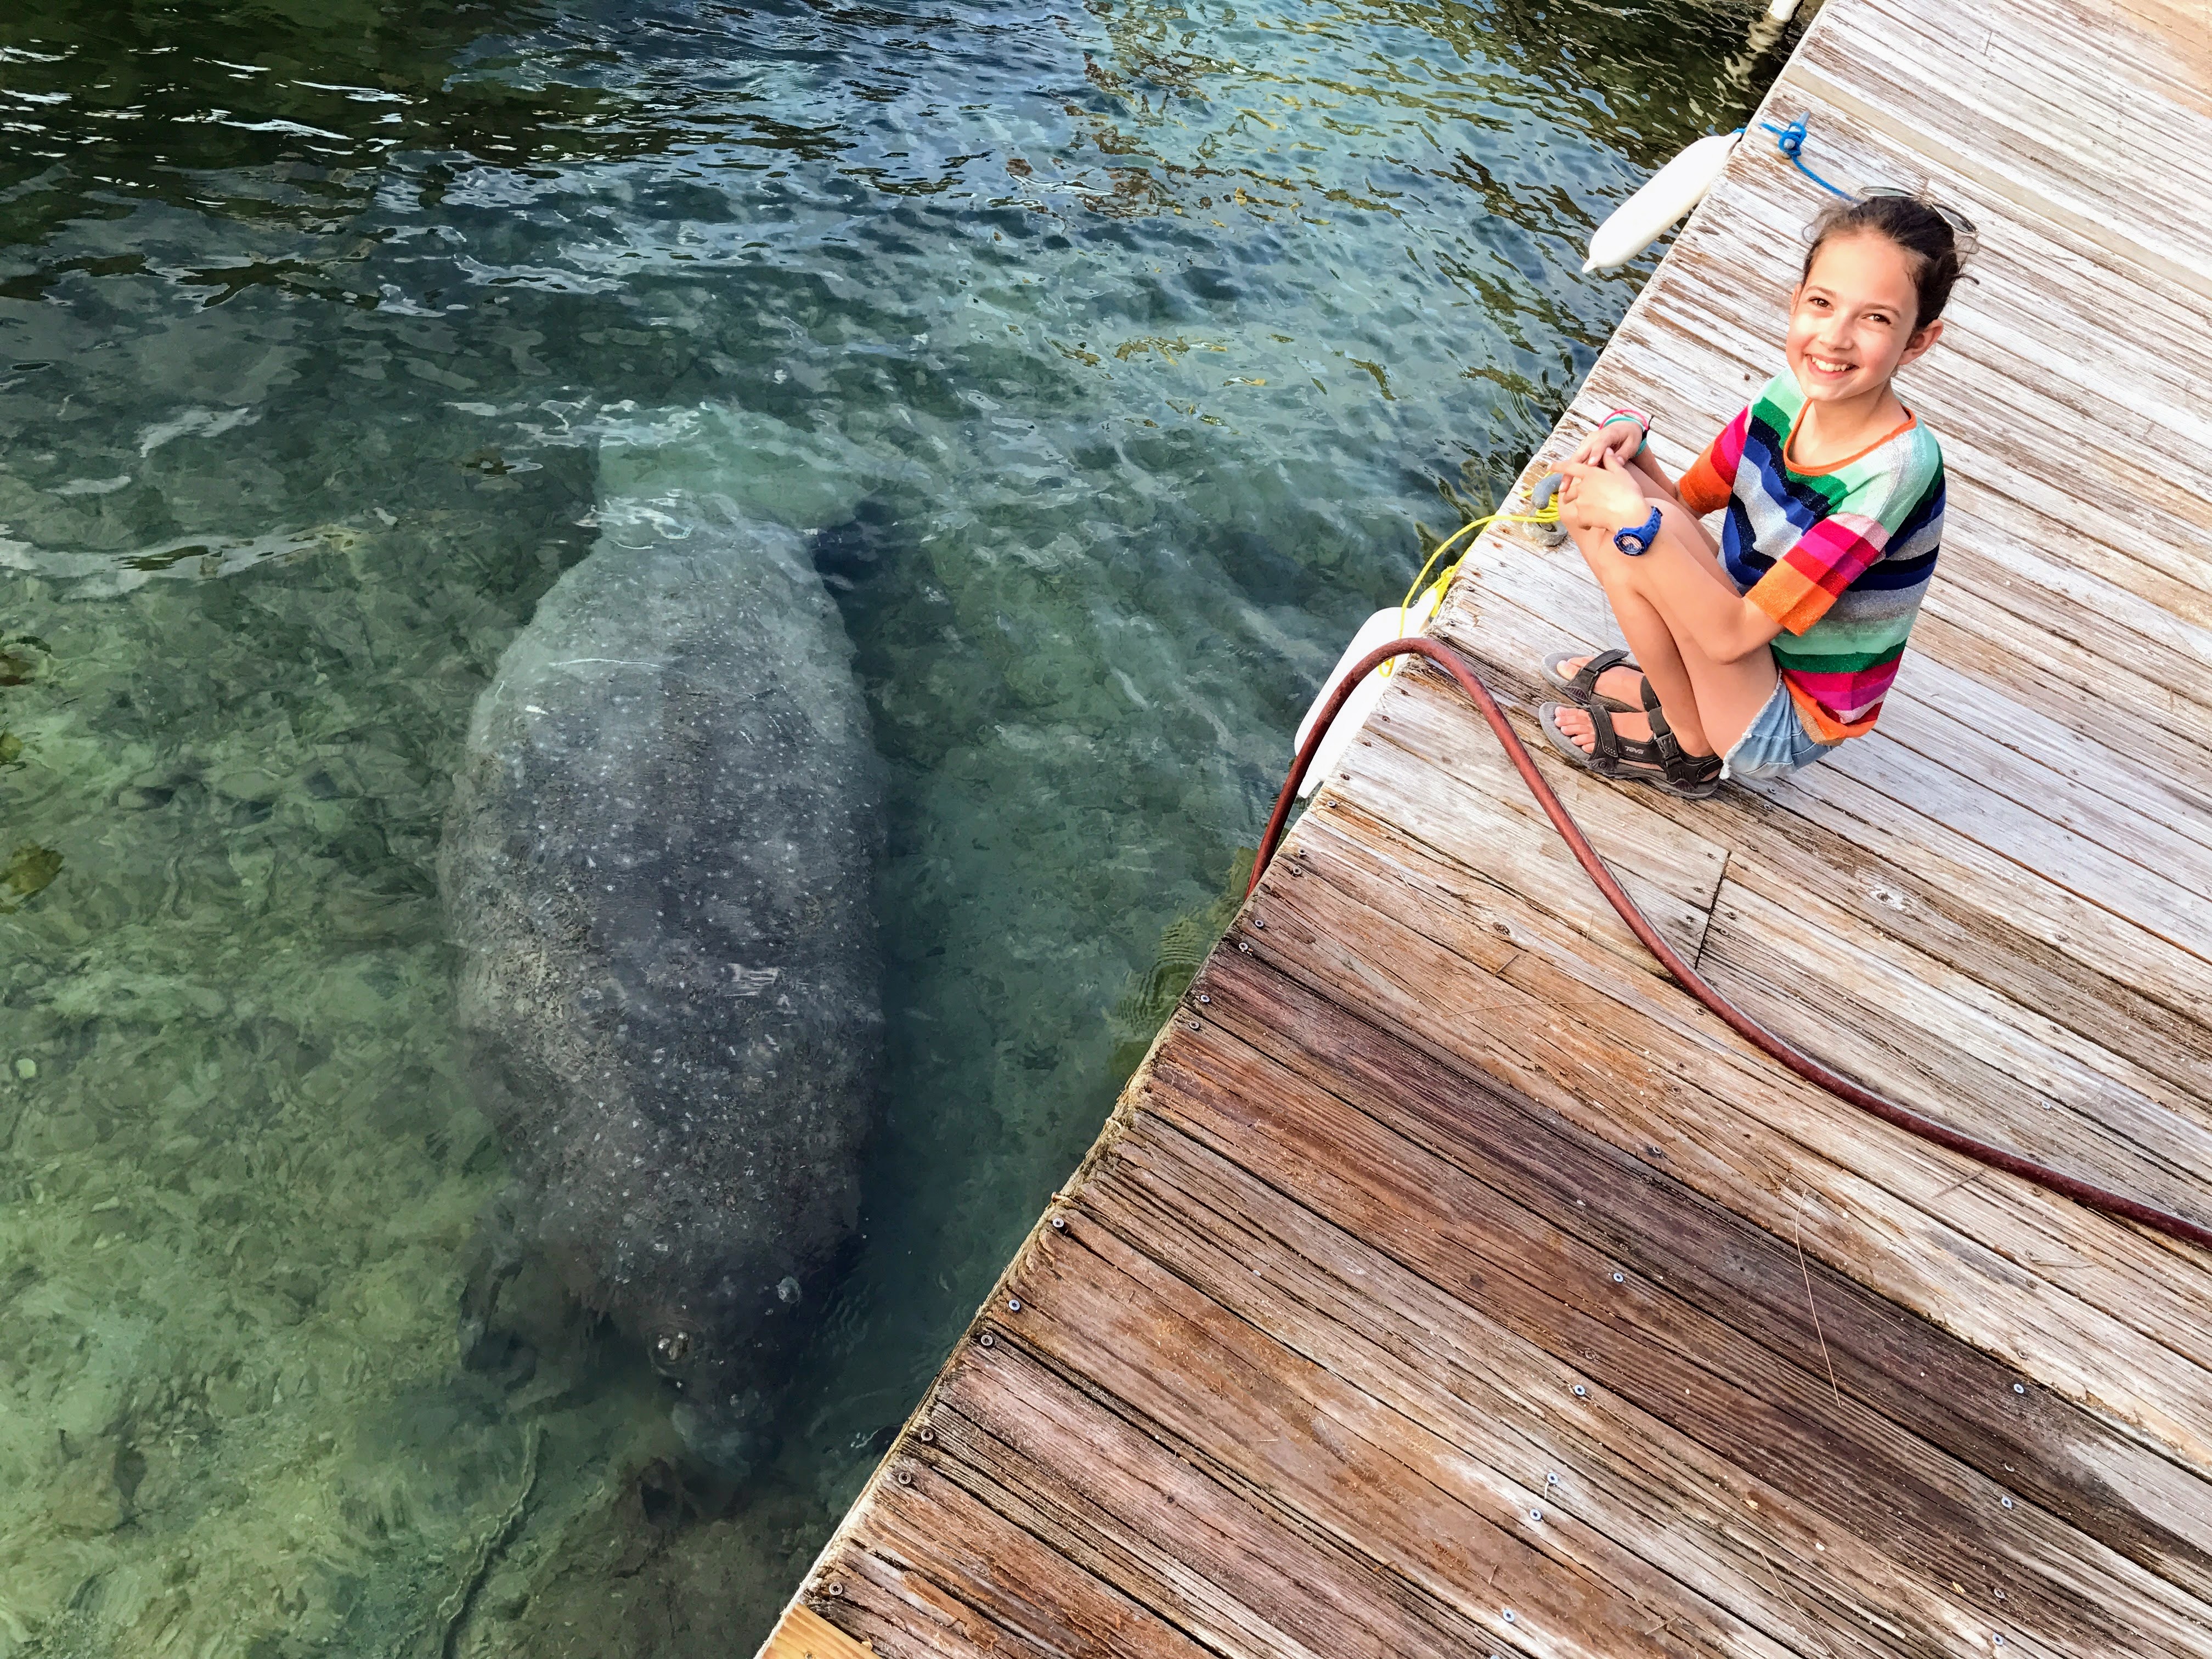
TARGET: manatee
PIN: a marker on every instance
(658, 870)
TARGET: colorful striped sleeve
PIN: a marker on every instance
(1839, 549)
(1710, 481)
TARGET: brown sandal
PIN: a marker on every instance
(1660, 761)
(1580, 689)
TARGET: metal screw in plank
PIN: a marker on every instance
(927, 1436)
(1059, 1223)
(1013, 1304)
(1620, 1279)
(1552, 1479)
(1535, 1515)
(985, 1340)
(904, 1477)
(1202, 997)
(2019, 1387)
(1582, 1393)
(1508, 1615)
(1245, 946)
(2007, 1502)
(833, 1588)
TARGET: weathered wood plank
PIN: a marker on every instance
(2036, 980)
(1351, 1467)
(1659, 1376)
(1937, 95)
(1582, 1488)
(1442, 732)
(1633, 1064)
(2088, 343)
(1909, 820)
(2015, 844)
(1612, 1210)
(1881, 1013)
(803, 1634)
(2124, 52)
(2016, 980)
(930, 1568)
(1086, 1475)
(2128, 259)
(2051, 1064)
(1431, 775)
(1970, 732)
(1987, 61)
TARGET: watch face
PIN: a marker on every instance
(1638, 538)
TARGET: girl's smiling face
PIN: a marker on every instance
(1852, 320)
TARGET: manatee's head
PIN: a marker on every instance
(724, 1355)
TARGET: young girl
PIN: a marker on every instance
(1757, 656)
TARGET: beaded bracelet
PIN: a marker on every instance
(1642, 422)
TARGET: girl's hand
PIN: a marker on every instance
(1622, 436)
(1604, 496)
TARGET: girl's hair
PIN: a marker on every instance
(1933, 248)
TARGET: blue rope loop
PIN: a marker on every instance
(1791, 141)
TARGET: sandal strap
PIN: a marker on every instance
(1613, 748)
(1605, 741)
(1662, 735)
(1584, 685)
(1682, 766)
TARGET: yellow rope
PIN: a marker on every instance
(1547, 515)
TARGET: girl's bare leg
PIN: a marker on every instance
(1649, 633)
(1653, 644)
(1656, 484)
(1658, 599)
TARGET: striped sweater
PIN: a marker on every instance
(1840, 555)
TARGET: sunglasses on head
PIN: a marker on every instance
(1969, 236)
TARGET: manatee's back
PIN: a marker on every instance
(659, 868)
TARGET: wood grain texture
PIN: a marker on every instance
(1447, 1282)
(802, 1633)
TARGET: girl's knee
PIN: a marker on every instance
(1599, 553)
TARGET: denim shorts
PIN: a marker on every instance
(1774, 744)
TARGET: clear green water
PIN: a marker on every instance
(1115, 351)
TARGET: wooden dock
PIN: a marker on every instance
(1447, 1283)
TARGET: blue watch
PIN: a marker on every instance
(1637, 539)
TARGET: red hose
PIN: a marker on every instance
(2081, 1192)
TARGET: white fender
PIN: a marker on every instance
(1668, 194)
(1378, 630)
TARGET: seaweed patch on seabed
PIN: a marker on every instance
(29, 870)
(1152, 995)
